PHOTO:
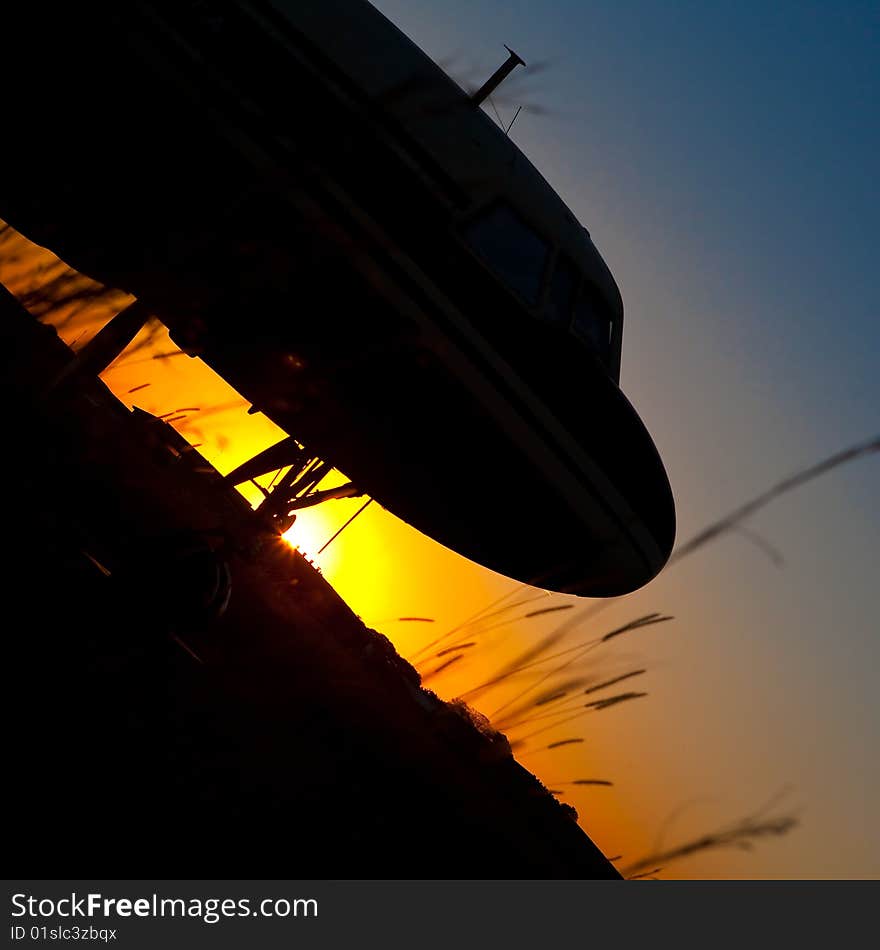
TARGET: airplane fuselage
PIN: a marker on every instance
(314, 207)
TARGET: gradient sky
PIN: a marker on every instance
(723, 157)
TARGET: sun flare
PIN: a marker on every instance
(308, 534)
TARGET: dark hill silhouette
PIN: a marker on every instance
(283, 739)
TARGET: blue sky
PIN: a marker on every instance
(724, 158)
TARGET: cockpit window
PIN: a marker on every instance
(561, 294)
(591, 324)
(516, 253)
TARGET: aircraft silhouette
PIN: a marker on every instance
(318, 211)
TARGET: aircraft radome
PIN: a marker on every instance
(315, 208)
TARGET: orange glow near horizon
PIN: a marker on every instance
(387, 571)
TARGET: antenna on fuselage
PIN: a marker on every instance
(498, 77)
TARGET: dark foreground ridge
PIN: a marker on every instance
(284, 739)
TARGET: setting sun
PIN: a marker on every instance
(309, 533)
(352, 256)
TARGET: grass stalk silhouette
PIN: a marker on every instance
(56, 294)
